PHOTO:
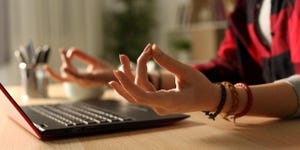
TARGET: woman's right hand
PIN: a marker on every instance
(97, 72)
(193, 91)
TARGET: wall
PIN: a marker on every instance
(61, 24)
(167, 20)
(66, 23)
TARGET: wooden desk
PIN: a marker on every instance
(196, 132)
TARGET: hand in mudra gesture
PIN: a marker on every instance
(193, 91)
(96, 73)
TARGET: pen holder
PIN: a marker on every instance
(34, 81)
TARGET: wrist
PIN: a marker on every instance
(220, 106)
(235, 101)
(213, 98)
(242, 99)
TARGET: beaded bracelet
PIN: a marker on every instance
(220, 106)
(249, 101)
(235, 99)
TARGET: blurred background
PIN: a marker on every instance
(189, 30)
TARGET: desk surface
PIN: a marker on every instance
(196, 132)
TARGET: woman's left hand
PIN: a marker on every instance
(96, 73)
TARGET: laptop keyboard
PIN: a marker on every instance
(77, 114)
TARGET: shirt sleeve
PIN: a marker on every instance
(294, 81)
(293, 36)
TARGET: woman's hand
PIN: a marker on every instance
(97, 73)
(193, 92)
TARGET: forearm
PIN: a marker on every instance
(273, 100)
(277, 99)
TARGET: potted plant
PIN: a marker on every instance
(127, 28)
(181, 47)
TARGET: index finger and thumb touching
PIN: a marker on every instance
(66, 64)
(142, 78)
(179, 69)
(74, 52)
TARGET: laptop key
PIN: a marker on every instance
(82, 116)
(52, 116)
(75, 115)
(96, 114)
(109, 116)
(66, 115)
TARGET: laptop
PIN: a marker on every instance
(88, 117)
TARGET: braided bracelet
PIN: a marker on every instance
(235, 100)
(249, 101)
(220, 106)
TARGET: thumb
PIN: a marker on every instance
(179, 69)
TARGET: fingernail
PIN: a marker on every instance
(121, 55)
(70, 51)
(147, 50)
(153, 47)
(110, 83)
(115, 71)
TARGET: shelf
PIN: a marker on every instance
(209, 25)
(205, 38)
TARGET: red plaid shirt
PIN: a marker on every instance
(243, 56)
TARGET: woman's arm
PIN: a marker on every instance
(194, 92)
(273, 100)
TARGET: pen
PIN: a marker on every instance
(30, 52)
(39, 55)
(46, 50)
(24, 53)
(20, 57)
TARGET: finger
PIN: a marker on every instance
(136, 92)
(160, 99)
(54, 75)
(86, 78)
(66, 63)
(165, 99)
(179, 69)
(74, 52)
(120, 90)
(126, 66)
(142, 73)
(75, 77)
